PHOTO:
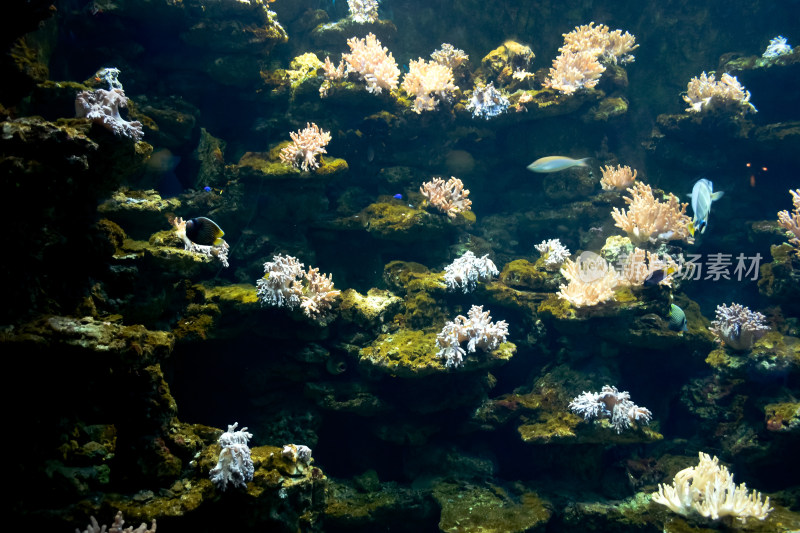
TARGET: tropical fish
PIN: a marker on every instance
(204, 231)
(555, 163)
(398, 196)
(702, 196)
(677, 319)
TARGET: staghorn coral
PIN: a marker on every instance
(234, 464)
(449, 56)
(553, 253)
(306, 145)
(591, 281)
(448, 197)
(791, 221)
(708, 489)
(648, 219)
(363, 11)
(219, 251)
(705, 93)
(102, 107)
(466, 271)
(477, 328)
(428, 83)
(612, 404)
(737, 327)
(618, 178)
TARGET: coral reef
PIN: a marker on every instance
(449, 197)
(648, 219)
(737, 327)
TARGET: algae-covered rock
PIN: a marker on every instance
(140, 213)
(773, 354)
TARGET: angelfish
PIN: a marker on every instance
(555, 163)
(702, 196)
(202, 230)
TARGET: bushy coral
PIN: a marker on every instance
(612, 404)
(467, 270)
(234, 465)
(102, 107)
(306, 145)
(619, 177)
(448, 197)
(791, 221)
(648, 219)
(705, 93)
(591, 281)
(371, 62)
(737, 327)
(553, 253)
(449, 56)
(286, 284)
(487, 102)
(477, 329)
(428, 83)
(363, 11)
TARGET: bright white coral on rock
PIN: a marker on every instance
(648, 219)
(234, 464)
(487, 102)
(791, 221)
(102, 107)
(306, 145)
(612, 404)
(705, 93)
(363, 11)
(371, 62)
(778, 46)
(449, 56)
(708, 490)
(619, 177)
(448, 197)
(591, 281)
(428, 83)
(467, 270)
(477, 329)
(553, 253)
(286, 284)
(737, 327)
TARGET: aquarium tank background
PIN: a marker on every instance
(361, 265)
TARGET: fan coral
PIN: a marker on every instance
(487, 102)
(449, 198)
(467, 270)
(591, 281)
(306, 145)
(478, 329)
(617, 178)
(220, 251)
(553, 253)
(282, 286)
(363, 11)
(449, 56)
(791, 221)
(647, 219)
(234, 464)
(707, 94)
(371, 62)
(612, 404)
(737, 327)
(709, 490)
(102, 107)
(426, 82)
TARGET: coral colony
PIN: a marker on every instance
(477, 329)
(466, 271)
(619, 178)
(363, 11)
(553, 253)
(777, 47)
(428, 83)
(648, 219)
(286, 284)
(611, 404)
(791, 221)
(487, 102)
(709, 491)
(234, 465)
(737, 327)
(705, 93)
(449, 197)
(117, 526)
(306, 145)
(102, 106)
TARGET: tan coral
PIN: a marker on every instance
(648, 219)
(619, 178)
(791, 221)
(429, 83)
(705, 93)
(448, 197)
(370, 61)
(306, 145)
(588, 286)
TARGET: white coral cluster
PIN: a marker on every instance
(234, 464)
(306, 145)
(582, 59)
(612, 404)
(553, 253)
(591, 281)
(477, 329)
(448, 197)
(487, 102)
(778, 46)
(368, 60)
(737, 327)
(648, 219)
(705, 93)
(708, 489)
(116, 527)
(102, 107)
(449, 56)
(286, 284)
(619, 177)
(466, 271)
(429, 83)
(791, 221)
(363, 11)
(217, 251)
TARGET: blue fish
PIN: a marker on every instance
(207, 188)
(398, 196)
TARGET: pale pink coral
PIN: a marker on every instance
(705, 93)
(428, 83)
(448, 197)
(791, 221)
(648, 219)
(619, 177)
(370, 61)
(306, 145)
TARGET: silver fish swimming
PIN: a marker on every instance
(702, 196)
(556, 163)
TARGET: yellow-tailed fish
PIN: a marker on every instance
(556, 163)
(202, 230)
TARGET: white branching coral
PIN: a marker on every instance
(466, 271)
(234, 464)
(371, 62)
(586, 51)
(116, 527)
(705, 93)
(477, 329)
(217, 251)
(708, 489)
(363, 11)
(429, 83)
(102, 107)
(619, 177)
(611, 404)
(778, 46)
(448, 197)
(591, 281)
(449, 56)
(553, 253)
(648, 219)
(286, 284)
(306, 145)
(737, 327)
(487, 102)
(791, 221)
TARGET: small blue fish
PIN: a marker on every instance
(207, 188)
(702, 196)
(398, 196)
(556, 163)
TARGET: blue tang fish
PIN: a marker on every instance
(556, 163)
(702, 196)
(398, 196)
